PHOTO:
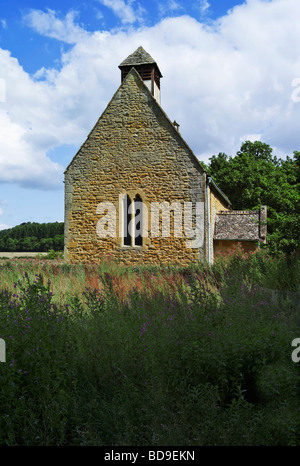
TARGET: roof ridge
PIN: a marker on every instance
(138, 57)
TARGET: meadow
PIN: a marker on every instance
(107, 354)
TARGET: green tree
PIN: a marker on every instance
(12, 244)
(33, 237)
(254, 177)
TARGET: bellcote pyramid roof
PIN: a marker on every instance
(139, 57)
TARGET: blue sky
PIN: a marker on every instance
(231, 72)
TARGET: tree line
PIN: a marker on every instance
(255, 177)
(32, 236)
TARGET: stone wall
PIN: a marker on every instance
(217, 204)
(227, 246)
(133, 149)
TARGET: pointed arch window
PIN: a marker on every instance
(127, 221)
(133, 221)
(138, 221)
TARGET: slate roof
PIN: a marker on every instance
(237, 225)
(139, 57)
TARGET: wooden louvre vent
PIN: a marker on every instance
(144, 65)
(146, 72)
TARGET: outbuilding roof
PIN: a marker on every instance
(241, 225)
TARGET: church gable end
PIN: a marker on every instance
(132, 150)
(136, 192)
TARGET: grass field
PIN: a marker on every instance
(13, 255)
(104, 354)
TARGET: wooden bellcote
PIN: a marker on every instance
(147, 69)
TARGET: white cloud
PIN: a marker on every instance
(22, 162)
(3, 226)
(2, 202)
(129, 12)
(169, 7)
(98, 14)
(3, 23)
(48, 24)
(223, 83)
(2, 90)
(26, 129)
(204, 6)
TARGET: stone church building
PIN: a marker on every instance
(136, 192)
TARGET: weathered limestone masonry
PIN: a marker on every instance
(135, 149)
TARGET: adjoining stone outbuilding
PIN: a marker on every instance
(240, 228)
(136, 192)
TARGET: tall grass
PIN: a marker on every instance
(113, 355)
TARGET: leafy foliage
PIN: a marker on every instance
(255, 177)
(38, 237)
